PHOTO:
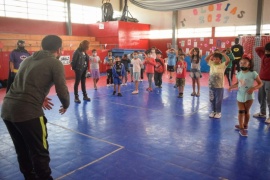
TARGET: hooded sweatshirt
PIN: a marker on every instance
(36, 75)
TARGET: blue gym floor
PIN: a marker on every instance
(148, 136)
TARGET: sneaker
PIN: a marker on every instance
(217, 115)
(160, 86)
(150, 89)
(175, 86)
(197, 95)
(86, 98)
(135, 92)
(108, 85)
(113, 92)
(243, 132)
(212, 114)
(131, 80)
(193, 94)
(259, 115)
(147, 89)
(237, 127)
(267, 120)
(119, 94)
(77, 100)
(170, 77)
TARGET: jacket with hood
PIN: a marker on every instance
(36, 75)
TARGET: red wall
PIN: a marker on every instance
(69, 73)
(133, 35)
(125, 35)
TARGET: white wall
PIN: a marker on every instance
(221, 17)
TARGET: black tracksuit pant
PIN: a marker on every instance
(31, 145)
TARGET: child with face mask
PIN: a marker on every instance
(264, 93)
(216, 81)
(245, 94)
(118, 71)
(94, 67)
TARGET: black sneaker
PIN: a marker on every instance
(119, 94)
(114, 92)
(77, 100)
(86, 98)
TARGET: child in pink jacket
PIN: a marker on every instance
(149, 63)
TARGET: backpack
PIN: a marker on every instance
(159, 68)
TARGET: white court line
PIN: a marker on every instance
(86, 165)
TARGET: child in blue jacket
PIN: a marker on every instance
(118, 72)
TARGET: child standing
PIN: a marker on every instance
(159, 70)
(228, 70)
(118, 71)
(141, 56)
(171, 53)
(216, 81)
(109, 60)
(181, 70)
(136, 62)
(245, 94)
(130, 56)
(149, 63)
(195, 71)
(94, 67)
(125, 61)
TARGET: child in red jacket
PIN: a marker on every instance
(181, 71)
(149, 69)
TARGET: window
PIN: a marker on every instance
(34, 9)
(194, 32)
(234, 30)
(266, 29)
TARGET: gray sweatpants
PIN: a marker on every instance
(150, 78)
(264, 97)
(216, 98)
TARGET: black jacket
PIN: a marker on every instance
(78, 63)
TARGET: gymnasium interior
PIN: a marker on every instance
(150, 135)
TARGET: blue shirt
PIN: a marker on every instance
(245, 81)
(171, 59)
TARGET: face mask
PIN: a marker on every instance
(267, 55)
(135, 57)
(244, 68)
(118, 62)
(94, 54)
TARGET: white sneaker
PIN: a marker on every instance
(212, 114)
(267, 121)
(217, 115)
(125, 84)
(108, 85)
(135, 92)
(259, 115)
